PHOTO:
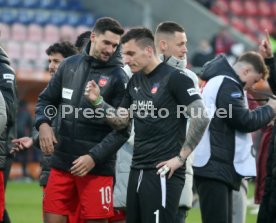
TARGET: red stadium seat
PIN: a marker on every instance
(35, 33)
(239, 24)
(265, 8)
(220, 7)
(82, 29)
(51, 34)
(18, 32)
(236, 7)
(273, 8)
(30, 50)
(42, 62)
(250, 8)
(266, 23)
(5, 32)
(252, 23)
(67, 33)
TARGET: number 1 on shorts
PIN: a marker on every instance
(156, 216)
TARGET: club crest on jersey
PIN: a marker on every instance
(154, 88)
(103, 80)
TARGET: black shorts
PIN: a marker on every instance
(151, 198)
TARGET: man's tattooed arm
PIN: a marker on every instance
(198, 123)
(117, 118)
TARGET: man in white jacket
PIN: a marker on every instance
(170, 43)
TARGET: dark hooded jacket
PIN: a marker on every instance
(79, 132)
(222, 130)
(8, 89)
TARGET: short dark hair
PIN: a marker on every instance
(142, 36)
(169, 28)
(108, 24)
(82, 40)
(256, 60)
(66, 49)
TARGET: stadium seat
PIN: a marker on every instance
(266, 23)
(48, 4)
(75, 5)
(30, 3)
(18, 32)
(42, 61)
(87, 19)
(273, 8)
(82, 29)
(14, 3)
(67, 33)
(35, 32)
(42, 17)
(265, 8)
(8, 15)
(3, 3)
(58, 18)
(220, 7)
(236, 7)
(51, 33)
(62, 5)
(250, 8)
(5, 32)
(238, 24)
(14, 51)
(25, 16)
(73, 18)
(30, 51)
(254, 28)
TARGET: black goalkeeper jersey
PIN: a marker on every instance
(155, 101)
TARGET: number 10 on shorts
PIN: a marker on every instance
(106, 195)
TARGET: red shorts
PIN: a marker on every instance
(119, 215)
(2, 195)
(64, 192)
(72, 218)
(76, 217)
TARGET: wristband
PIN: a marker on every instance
(98, 101)
(181, 159)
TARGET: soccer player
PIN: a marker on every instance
(154, 94)
(84, 157)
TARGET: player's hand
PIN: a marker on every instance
(47, 138)
(21, 144)
(169, 166)
(92, 91)
(265, 48)
(82, 165)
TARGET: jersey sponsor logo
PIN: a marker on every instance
(9, 77)
(142, 105)
(154, 88)
(67, 93)
(236, 94)
(191, 91)
(103, 81)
